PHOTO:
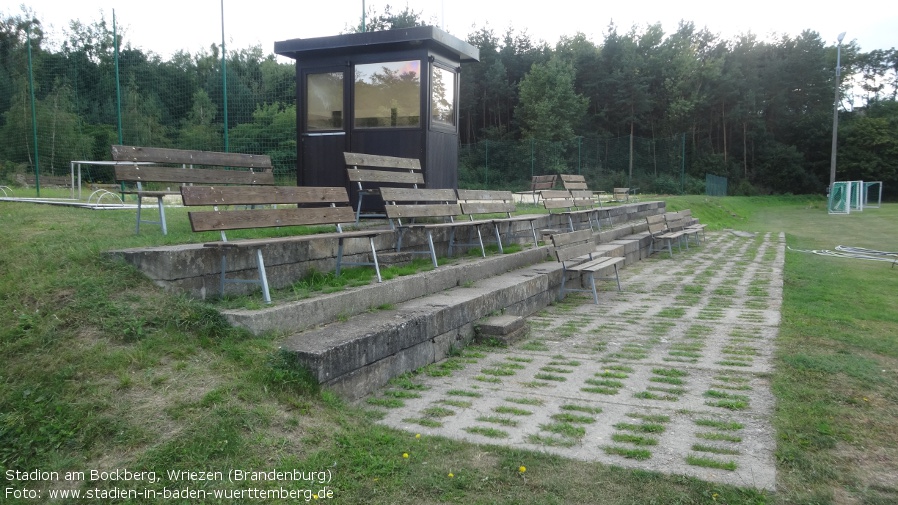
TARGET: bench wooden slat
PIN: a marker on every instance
(563, 239)
(572, 251)
(573, 182)
(417, 195)
(380, 176)
(490, 207)
(268, 218)
(542, 182)
(262, 195)
(596, 264)
(188, 157)
(374, 160)
(423, 210)
(138, 173)
(253, 243)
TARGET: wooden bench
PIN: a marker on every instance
(580, 192)
(660, 234)
(380, 171)
(676, 222)
(692, 223)
(477, 202)
(260, 172)
(574, 250)
(438, 204)
(620, 195)
(313, 206)
(571, 206)
(541, 183)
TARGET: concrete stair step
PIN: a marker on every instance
(359, 355)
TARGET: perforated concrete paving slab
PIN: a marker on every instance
(669, 375)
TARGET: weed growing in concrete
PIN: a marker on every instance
(582, 408)
(501, 409)
(487, 432)
(463, 392)
(504, 421)
(526, 401)
(711, 463)
(550, 377)
(567, 417)
(637, 454)
(713, 449)
(634, 439)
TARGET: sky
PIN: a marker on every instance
(166, 26)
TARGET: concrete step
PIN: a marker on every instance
(359, 355)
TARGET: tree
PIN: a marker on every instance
(549, 108)
(375, 22)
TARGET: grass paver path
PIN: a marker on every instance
(670, 375)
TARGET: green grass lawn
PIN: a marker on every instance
(103, 370)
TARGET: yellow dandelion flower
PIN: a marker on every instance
(451, 475)
(522, 469)
(405, 455)
(417, 435)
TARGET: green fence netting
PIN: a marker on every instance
(651, 165)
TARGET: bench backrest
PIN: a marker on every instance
(543, 182)
(674, 221)
(574, 182)
(141, 173)
(557, 199)
(570, 245)
(621, 194)
(256, 162)
(483, 201)
(403, 203)
(259, 173)
(656, 224)
(378, 171)
(315, 206)
(583, 199)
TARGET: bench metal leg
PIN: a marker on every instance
(433, 252)
(339, 255)
(592, 284)
(263, 279)
(140, 219)
(480, 239)
(139, 207)
(162, 216)
(374, 258)
(399, 239)
(498, 238)
(563, 282)
(451, 241)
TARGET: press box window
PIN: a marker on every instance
(324, 101)
(443, 95)
(388, 95)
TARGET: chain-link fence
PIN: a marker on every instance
(61, 102)
(650, 165)
(70, 101)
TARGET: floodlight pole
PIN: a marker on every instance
(832, 163)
